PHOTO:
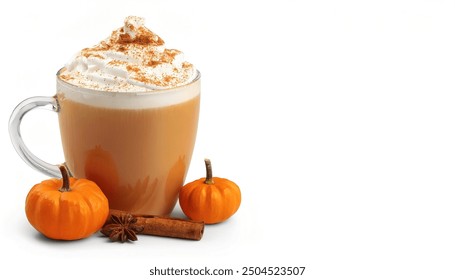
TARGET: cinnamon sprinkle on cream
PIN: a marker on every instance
(133, 58)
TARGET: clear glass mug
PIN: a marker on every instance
(136, 146)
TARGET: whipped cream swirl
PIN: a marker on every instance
(132, 59)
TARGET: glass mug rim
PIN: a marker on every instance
(159, 91)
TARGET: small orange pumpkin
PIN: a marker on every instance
(67, 208)
(211, 199)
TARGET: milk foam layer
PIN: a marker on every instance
(130, 100)
(132, 59)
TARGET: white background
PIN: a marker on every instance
(336, 119)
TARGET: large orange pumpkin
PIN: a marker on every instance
(211, 199)
(67, 208)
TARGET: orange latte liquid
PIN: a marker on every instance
(138, 157)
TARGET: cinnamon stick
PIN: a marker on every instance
(165, 226)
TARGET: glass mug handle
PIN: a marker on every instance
(16, 138)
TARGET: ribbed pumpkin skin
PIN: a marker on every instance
(211, 203)
(70, 215)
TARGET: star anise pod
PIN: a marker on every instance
(122, 228)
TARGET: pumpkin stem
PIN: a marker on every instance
(66, 180)
(209, 176)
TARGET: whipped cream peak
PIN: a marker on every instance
(132, 59)
(132, 23)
